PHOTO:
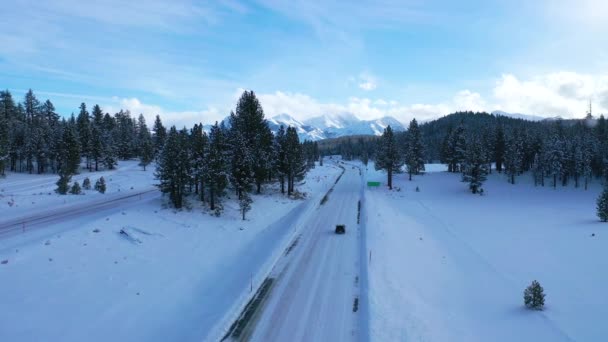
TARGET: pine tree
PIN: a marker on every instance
(83, 123)
(100, 185)
(144, 141)
(513, 157)
(475, 168)
(173, 167)
(86, 184)
(456, 149)
(295, 162)
(414, 154)
(96, 144)
(602, 205)
(217, 161)
(4, 133)
(63, 184)
(69, 152)
(555, 157)
(160, 134)
(387, 156)
(199, 159)
(245, 204)
(534, 296)
(241, 170)
(280, 160)
(499, 148)
(76, 190)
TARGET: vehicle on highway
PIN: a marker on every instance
(340, 229)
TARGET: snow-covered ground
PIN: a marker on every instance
(447, 265)
(177, 276)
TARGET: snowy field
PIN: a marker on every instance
(178, 276)
(447, 265)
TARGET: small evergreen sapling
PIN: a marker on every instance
(63, 184)
(245, 203)
(100, 185)
(602, 205)
(75, 190)
(534, 297)
(86, 184)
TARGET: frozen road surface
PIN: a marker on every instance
(315, 285)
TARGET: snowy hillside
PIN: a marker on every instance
(445, 265)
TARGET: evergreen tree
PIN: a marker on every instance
(173, 167)
(602, 205)
(414, 154)
(144, 141)
(100, 185)
(555, 156)
(63, 184)
(160, 134)
(217, 161)
(456, 149)
(499, 150)
(69, 153)
(84, 134)
(199, 159)
(387, 157)
(245, 204)
(513, 157)
(475, 168)
(96, 143)
(296, 165)
(534, 296)
(4, 132)
(86, 184)
(76, 190)
(280, 160)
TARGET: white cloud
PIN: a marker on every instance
(566, 94)
(169, 118)
(365, 81)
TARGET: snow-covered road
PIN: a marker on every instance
(316, 283)
(74, 211)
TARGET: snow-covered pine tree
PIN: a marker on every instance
(245, 204)
(169, 169)
(513, 156)
(100, 185)
(63, 184)
(96, 144)
(86, 184)
(387, 156)
(144, 142)
(475, 167)
(241, 164)
(70, 149)
(555, 158)
(83, 127)
(199, 145)
(75, 189)
(414, 151)
(217, 163)
(534, 296)
(160, 134)
(296, 164)
(456, 148)
(602, 205)
(538, 172)
(280, 162)
(4, 137)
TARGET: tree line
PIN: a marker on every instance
(240, 154)
(555, 152)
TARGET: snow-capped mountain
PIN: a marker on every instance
(328, 126)
(334, 125)
(518, 115)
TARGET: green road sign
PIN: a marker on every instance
(373, 183)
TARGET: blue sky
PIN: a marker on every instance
(189, 60)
